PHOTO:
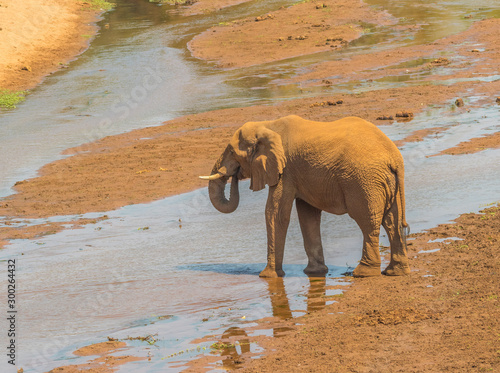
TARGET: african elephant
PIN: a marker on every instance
(345, 166)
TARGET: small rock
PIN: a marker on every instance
(326, 81)
(498, 100)
(441, 61)
(26, 68)
(340, 102)
(301, 37)
(320, 6)
(385, 117)
(459, 102)
(404, 114)
(475, 51)
(290, 37)
(281, 39)
(267, 16)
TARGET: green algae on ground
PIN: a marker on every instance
(9, 99)
(101, 4)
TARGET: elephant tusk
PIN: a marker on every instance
(212, 177)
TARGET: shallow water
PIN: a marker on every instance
(192, 272)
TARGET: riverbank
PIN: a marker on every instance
(40, 38)
(444, 316)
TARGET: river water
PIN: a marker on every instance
(176, 267)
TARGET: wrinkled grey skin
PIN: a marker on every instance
(347, 166)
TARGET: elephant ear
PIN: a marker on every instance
(268, 160)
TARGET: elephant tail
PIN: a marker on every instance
(400, 195)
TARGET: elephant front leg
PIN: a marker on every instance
(278, 209)
(310, 222)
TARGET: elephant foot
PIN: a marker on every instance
(272, 273)
(362, 270)
(318, 270)
(397, 270)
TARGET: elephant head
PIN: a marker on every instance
(254, 152)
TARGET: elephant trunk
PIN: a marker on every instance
(217, 186)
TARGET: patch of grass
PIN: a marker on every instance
(173, 2)
(9, 99)
(101, 4)
(150, 339)
(221, 346)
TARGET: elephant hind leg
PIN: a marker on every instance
(369, 265)
(310, 222)
(393, 224)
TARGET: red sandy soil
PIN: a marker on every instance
(420, 135)
(463, 60)
(104, 363)
(475, 145)
(305, 28)
(40, 37)
(207, 6)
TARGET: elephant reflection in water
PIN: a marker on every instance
(230, 354)
(280, 308)
(280, 303)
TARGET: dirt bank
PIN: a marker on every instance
(471, 54)
(304, 28)
(445, 316)
(39, 38)
(193, 7)
(104, 363)
(474, 145)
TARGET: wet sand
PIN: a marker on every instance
(206, 6)
(104, 363)
(305, 28)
